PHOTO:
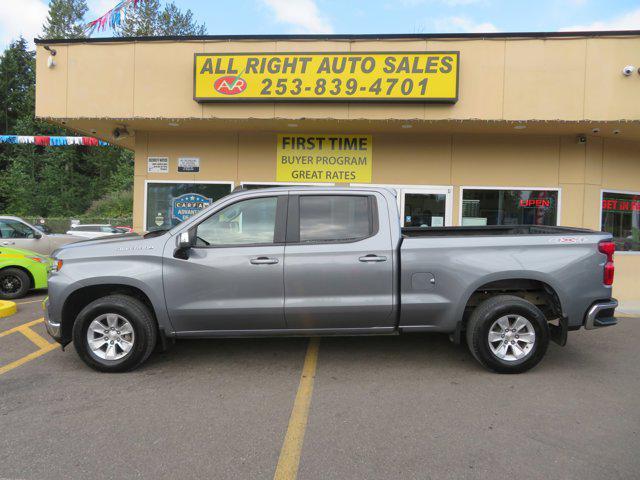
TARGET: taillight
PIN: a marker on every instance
(608, 248)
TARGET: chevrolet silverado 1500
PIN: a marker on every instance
(329, 261)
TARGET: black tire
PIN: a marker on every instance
(136, 313)
(14, 283)
(491, 310)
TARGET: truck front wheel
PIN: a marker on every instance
(114, 333)
(507, 334)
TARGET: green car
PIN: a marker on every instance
(21, 271)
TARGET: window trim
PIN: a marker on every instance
(174, 182)
(293, 218)
(624, 192)
(279, 228)
(474, 187)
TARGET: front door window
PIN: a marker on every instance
(15, 229)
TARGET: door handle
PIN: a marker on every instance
(263, 261)
(8, 243)
(373, 258)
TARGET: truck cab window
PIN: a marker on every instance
(249, 222)
(334, 218)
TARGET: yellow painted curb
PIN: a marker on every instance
(7, 308)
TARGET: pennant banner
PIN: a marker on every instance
(52, 141)
(112, 18)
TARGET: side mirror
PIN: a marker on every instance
(184, 240)
(183, 244)
(37, 235)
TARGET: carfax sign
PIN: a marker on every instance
(366, 77)
(324, 158)
(188, 205)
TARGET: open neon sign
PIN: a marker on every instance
(538, 202)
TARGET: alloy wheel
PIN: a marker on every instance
(511, 337)
(110, 336)
(10, 284)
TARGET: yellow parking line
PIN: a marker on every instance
(42, 343)
(30, 301)
(17, 329)
(28, 358)
(287, 468)
(34, 337)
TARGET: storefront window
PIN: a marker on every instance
(168, 204)
(424, 209)
(621, 217)
(509, 207)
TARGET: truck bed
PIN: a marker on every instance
(441, 267)
(409, 232)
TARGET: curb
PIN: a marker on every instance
(7, 308)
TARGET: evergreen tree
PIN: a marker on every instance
(148, 20)
(50, 181)
(17, 78)
(65, 19)
(173, 22)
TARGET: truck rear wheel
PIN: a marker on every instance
(114, 333)
(507, 334)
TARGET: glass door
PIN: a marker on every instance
(425, 207)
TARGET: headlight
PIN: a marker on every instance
(56, 265)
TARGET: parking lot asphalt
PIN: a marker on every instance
(412, 406)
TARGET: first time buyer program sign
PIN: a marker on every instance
(343, 77)
(324, 158)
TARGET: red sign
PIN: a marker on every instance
(230, 85)
(621, 205)
(539, 202)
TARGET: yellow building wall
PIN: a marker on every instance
(500, 79)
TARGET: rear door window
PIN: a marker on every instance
(335, 218)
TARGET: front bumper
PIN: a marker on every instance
(601, 314)
(53, 328)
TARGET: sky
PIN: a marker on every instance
(237, 17)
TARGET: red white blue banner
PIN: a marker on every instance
(51, 141)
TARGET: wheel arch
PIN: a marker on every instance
(83, 296)
(523, 284)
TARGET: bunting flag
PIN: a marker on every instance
(112, 18)
(46, 141)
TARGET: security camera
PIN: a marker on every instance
(120, 132)
(628, 70)
(582, 139)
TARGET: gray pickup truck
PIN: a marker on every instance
(329, 261)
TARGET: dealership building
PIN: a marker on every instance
(469, 129)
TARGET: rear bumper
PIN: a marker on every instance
(601, 314)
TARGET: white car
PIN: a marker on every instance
(16, 233)
(93, 231)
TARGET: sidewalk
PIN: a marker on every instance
(629, 308)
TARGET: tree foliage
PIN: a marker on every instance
(65, 19)
(49, 181)
(149, 19)
(72, 180)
